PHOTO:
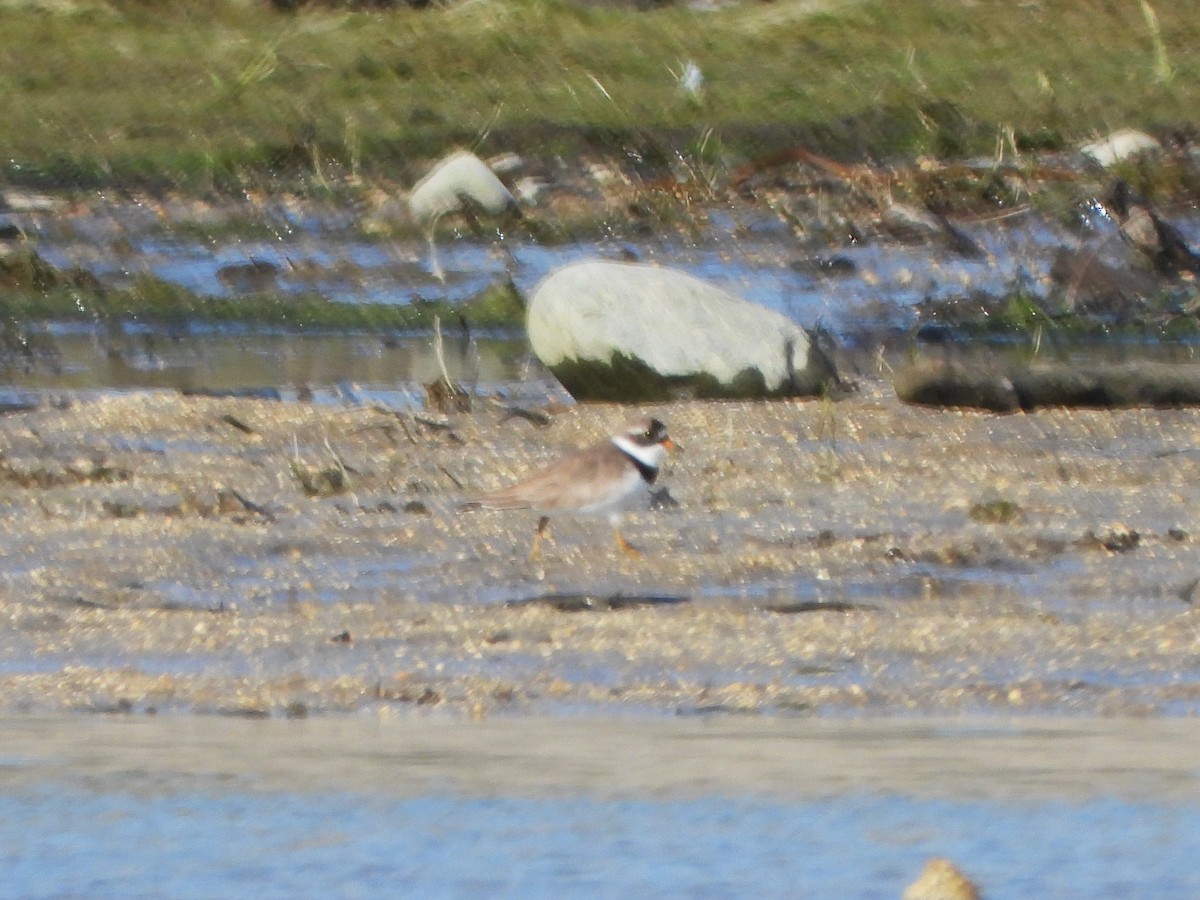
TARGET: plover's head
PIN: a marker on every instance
(646, 441)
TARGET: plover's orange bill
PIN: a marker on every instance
(604, 479)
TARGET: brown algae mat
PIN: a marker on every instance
(160, 552)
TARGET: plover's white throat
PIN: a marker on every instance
(603, 479)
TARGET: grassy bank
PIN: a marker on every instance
(192, 94)
(32, 291)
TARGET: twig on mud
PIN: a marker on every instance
(251, 506)
(535, 418)
(458, 484)
(342, 467)
(443, 394)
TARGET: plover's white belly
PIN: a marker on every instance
(631, 492)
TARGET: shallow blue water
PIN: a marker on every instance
(342, 265)
(122, 838)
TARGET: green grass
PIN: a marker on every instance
(196, 94)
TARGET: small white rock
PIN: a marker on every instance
(530, 190)
(1120, 146)
(22, 201)
(458, 176)
(506, 163)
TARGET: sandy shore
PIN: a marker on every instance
(262, 558)
(1067, 760)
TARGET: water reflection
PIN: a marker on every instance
(178, 840)
(119, 808)
(233, 361)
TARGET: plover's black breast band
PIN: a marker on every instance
(648, 472)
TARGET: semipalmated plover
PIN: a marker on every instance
(603, 479)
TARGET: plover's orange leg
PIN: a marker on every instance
(625, 546)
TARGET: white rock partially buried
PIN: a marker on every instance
(639, 333)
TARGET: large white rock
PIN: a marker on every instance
(461, 175)
(631, 332)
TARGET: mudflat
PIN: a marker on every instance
(265, 558)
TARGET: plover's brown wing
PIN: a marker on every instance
(582, 479)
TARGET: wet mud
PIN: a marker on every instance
(285, 558)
